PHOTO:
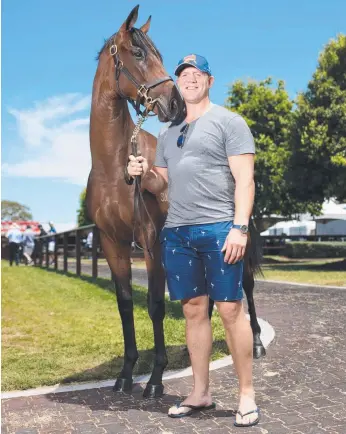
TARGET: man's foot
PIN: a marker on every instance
(195, 403)
(248, 413)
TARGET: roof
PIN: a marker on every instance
(332, 211)
(6, 225)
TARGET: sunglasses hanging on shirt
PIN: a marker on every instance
(182, 137)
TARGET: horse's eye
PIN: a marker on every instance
(138, 54)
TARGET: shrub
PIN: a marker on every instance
(314, 249)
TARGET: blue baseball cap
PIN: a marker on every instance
(194, 60)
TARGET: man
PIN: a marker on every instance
(208, 162)
(28, 244)
(51, 242)
(89, 244)
(14, 237)
(38, 250)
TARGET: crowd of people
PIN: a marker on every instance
(24, 246)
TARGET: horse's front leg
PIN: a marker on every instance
(118, 258)
(156, 310)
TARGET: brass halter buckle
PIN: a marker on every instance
(113, 49)
(142, 91)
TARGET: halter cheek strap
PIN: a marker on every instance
(142, 89)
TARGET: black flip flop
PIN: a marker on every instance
(193, 409)
(246, 425)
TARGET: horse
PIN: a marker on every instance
(130, 70)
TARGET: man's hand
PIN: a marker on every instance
(137, 166)
(234, 246)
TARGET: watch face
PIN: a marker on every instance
(244, 229)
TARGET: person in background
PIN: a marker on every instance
(89, 243)
(38, 248)
(28, 244)
(51, 242)
(15, 238)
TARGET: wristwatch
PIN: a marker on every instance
(244, 229)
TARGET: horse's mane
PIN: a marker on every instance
(139, 39)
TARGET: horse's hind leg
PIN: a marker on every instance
(118, 257)
(248, 285)
(156, 309)
(211, 307)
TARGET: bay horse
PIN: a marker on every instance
(130, 69)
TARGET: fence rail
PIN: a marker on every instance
(72, 244)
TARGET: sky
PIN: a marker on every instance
(48, 65)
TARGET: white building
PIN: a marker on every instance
(292, 227)
(332, 221)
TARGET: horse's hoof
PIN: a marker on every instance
(123, 385)
(258, 351)
(153, 391)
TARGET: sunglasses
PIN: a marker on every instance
(182, 137)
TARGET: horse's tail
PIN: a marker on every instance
(255, 251)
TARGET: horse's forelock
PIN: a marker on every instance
(139, 39)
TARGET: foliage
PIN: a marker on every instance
(318, 162)
(12, 211)
(267, 108)
(83, 218)
(311, 249)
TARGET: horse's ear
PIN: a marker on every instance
(131, 20)
(145, 28)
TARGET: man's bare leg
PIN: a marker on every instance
(199, 342)
(240, 343)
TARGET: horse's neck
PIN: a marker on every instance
(111, 127)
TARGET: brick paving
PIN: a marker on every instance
(300, 385)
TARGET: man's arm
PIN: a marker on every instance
(156, 179)
(162, 171)
(242, 168)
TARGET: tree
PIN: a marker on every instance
(267, 109)
(83, 218)
(11, 210)
(318, 162)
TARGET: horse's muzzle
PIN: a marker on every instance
(172, 109)
(177, 107)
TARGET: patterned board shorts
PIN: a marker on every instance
(194, 263)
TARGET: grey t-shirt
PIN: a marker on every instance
(200, 184)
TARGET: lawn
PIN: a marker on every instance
(62, 329)
(315, 271)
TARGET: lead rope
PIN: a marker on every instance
(138, 196)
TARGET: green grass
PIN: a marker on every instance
(315, 271)
(319, 272)
(61, 329)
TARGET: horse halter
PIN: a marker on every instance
(142, 89)
(149, 102)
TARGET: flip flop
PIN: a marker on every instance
(193, 409)
(245, 425)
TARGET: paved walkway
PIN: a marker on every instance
(301, 384)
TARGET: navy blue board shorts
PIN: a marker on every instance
(194, 264)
